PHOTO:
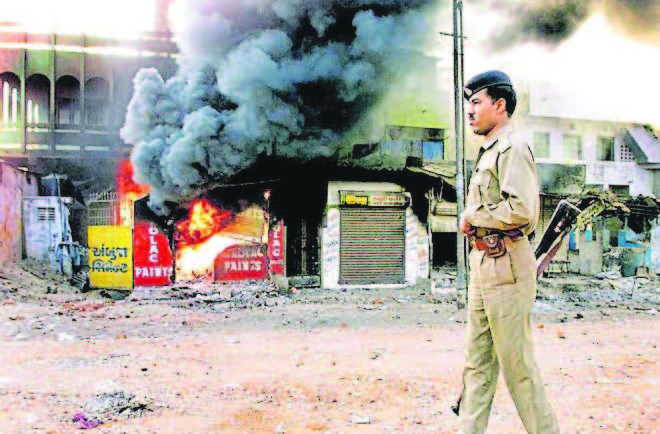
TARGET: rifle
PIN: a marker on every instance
(562, 221)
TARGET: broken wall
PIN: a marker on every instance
(14, 185)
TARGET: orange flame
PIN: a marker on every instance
(209, 231)
(204, 220)
(126, 186)
(128, 191)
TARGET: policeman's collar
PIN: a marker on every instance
(490, 142)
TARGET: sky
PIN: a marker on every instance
(115, 18)
(598, 72)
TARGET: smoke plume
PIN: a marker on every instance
(638, 18)
(552, 21)
(284, 77)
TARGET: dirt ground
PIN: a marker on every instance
(210, 358)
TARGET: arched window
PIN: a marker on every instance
(37, 88)
(10, 87)
(97, 92)
(67, 101)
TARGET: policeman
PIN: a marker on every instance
(501, 212)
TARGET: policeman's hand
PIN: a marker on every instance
(465, 227)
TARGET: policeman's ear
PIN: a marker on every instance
(500, 106)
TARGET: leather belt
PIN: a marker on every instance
(514, 234)
(493, 242)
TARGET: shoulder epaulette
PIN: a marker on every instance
(504, 142)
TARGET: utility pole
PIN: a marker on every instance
(459, 129)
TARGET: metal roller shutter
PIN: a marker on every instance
(372, 246)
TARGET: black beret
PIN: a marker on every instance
(484, 80)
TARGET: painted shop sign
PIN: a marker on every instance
(110, 257)
(243, 262)
(153, 261)
(373, 198)
(276, 249)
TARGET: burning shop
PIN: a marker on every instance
(210, 239)
(286, 81)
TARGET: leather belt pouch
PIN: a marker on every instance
(492, 244)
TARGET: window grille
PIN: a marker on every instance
(103, 209)
(626, 152)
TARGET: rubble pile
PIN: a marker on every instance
(31, 280)
(442, 286)
(217, 296)
(569, 292)
(34, 283)
(604, 290)
(112, 406)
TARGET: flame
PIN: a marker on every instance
(208, 231)
(128, 191)
(125, 183)
(198, 261)
(250, 223)
(205, 219)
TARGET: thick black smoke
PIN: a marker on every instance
(552, 21)
(285, 77)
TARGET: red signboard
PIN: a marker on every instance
(152, 256)
(276, 249)
(242, 262)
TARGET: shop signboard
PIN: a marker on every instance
(276, 249)
(110, 257)
(242, 262)
(153, 261)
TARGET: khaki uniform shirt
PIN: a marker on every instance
(504, 192)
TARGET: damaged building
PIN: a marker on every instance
(277, 139)
(614, 163)
(299, 146)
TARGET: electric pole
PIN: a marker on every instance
(459, 129)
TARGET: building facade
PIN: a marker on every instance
(64, 97)
(604, 154)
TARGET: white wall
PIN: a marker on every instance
(42, 236)
(655, 250)
(644, 182)
(604, 173)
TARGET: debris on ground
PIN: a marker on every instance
(345, 353)
(116, 405)
(83, 422)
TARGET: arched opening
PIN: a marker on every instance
(37, 88)
(97, 93)
(67, 101)
(10, 89)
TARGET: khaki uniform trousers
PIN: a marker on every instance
(501, 295)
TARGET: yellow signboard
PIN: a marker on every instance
(373, 198)
(110, 257)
